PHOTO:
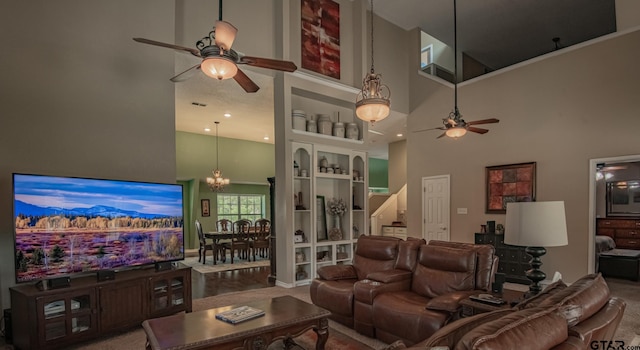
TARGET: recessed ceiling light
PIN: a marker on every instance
(207, 129)
(399, 135)
(266, 137)
(227, 115)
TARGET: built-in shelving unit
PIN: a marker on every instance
(328, 167)
(330, 172)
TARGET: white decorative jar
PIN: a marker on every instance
(312, 126)
(338, 129)
(353, 132)
(324, 124)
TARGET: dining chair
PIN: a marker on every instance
(204, 246)
(240, 241)
(261, 238)
(221, 245)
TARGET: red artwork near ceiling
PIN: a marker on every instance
(510, 183)
(321, 36)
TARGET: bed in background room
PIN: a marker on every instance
(603, 244)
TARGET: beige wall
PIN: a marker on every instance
(559, 111)
(627, 14)
(397, 165)
(80, 98)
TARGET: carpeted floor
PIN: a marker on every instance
(629, 291)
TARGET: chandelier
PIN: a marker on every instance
(372, 102)
(217, 182)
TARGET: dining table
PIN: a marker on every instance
(218, 236)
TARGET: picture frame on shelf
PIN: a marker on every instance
(321, 219)
(298, 237)
(509, 183)
(205, 207)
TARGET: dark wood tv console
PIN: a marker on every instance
(55, 318)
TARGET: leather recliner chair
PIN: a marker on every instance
(333, 289)
(445, 274)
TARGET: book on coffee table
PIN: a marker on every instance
(239, 314)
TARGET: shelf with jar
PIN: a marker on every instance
(324, 118)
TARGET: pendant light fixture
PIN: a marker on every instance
(372, 102)
(217, 182)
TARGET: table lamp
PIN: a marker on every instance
(536, 225)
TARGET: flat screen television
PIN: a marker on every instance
(70, 225)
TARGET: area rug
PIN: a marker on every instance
(208, 266)
(629, 328)
(340, 337)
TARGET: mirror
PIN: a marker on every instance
(623, 198)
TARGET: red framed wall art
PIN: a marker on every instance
(321, 36)
(509, 183)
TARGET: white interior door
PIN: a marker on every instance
(435, 208)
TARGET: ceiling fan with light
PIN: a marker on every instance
(219, 60)
(454, 126)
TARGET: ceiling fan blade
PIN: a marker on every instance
(225, 34)
(483, 121)
(478, 130)
(441, 135)
(169, 46)
(247, 84)
(286, 66)
(438, 128)
(186, 74)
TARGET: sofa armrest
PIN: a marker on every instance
(337, 272)
(389, 276)
(450, 302)
(367, 290)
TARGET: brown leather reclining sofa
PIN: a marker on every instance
(580, 316)
(403, 290)
(408, 293)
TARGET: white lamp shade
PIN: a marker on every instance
(536, 224)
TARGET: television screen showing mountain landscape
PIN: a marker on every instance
(69, 225)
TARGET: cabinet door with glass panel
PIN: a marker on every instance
(66, 316)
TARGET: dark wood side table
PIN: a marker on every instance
(472, 307)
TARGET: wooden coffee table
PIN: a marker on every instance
(285, 318)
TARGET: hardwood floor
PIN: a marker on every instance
(214, 283)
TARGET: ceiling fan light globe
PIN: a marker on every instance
(456, 132)
(219, 68)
